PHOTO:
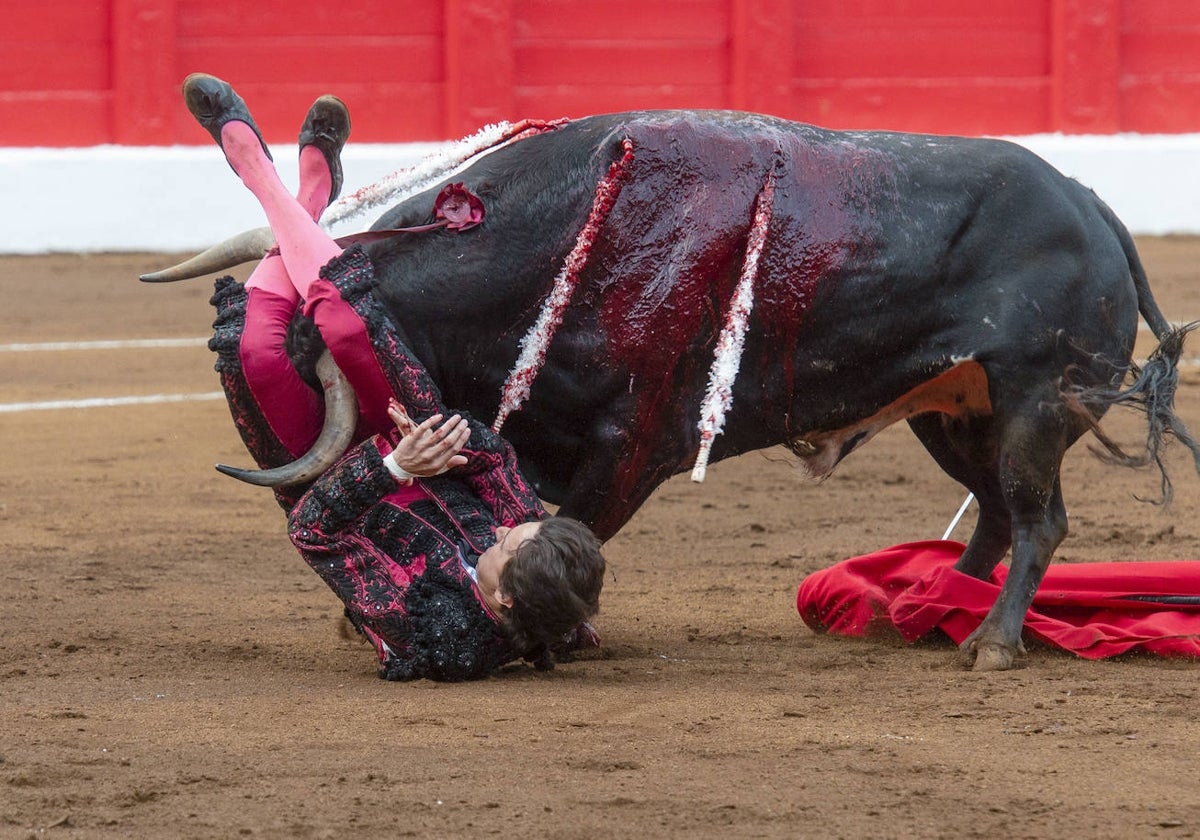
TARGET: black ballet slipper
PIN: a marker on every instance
(213, 102)
(327, 126)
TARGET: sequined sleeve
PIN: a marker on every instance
(337, 499)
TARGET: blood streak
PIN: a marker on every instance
(662, 276)
(537, 340)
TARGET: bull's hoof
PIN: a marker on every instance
(992, 657)
(988, 650)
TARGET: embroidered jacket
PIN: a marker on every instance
(400, 558)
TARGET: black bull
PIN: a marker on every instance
(961, 284)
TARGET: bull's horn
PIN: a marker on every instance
(341, 412)
(235, 250)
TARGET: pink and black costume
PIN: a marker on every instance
(400, 557)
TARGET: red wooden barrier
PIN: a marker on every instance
(83, 72)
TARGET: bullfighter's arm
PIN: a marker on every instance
(328, 511)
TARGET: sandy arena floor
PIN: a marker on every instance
(170, 668)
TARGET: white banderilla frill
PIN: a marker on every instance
(727, 357)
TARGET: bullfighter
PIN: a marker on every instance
(426, 530)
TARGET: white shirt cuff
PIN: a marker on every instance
(398, 472)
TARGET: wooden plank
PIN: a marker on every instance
(342, 61)
(972, 107)
(380, 113)
(690, 63)
(479, 64)
(920, 38)
(919, 12)
(1160, 104)
(619, 20)
(55, 46)
(391, 113)
(557, 101)
(61, 23)
(54, 66)
(144, 78)
(882, 50)
(1165, 51)
(364, 19)
(1160, 15)
(42, 118)
(762, 54)
(1085, 66)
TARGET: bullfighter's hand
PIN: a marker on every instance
(431, 447)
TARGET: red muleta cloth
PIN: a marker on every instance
(1093, 610)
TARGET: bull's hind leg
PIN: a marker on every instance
(1033, 439)
(997, 640)
(965, 449)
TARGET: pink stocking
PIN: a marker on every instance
(293, 410)
(313, 196)
(304, 249)
(315, 182)
(304, 246)
(270, 275)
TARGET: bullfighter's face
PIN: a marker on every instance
(492, 562)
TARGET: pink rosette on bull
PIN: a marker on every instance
(458, 207)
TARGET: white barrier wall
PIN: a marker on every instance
(184, 198)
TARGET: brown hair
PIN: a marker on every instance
(554, 580)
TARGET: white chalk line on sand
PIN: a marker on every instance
(105, 402)
(130, 344)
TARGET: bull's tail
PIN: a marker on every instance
(1152, 391)
(1151, 387)
(1147, 305)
